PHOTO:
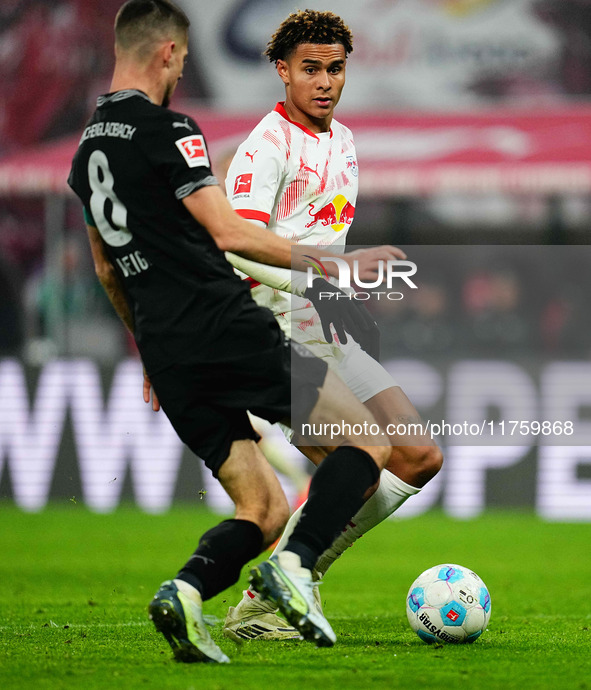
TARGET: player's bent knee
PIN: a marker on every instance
(416, 465)
(428, 464)
(432, 461)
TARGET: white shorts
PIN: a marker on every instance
(360, 372)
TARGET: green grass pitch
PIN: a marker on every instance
(75, 586)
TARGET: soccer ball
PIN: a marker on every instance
(448, 603)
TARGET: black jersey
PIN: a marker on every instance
(135, 163)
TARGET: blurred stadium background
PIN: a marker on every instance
(472, 120)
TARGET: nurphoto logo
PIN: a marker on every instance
(388, 272)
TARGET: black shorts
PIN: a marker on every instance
(207, 403)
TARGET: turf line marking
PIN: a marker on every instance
(60, 626)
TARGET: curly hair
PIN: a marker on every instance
(308, 26)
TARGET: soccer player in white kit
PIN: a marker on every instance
(297, 175)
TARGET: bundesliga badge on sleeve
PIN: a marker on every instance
(193, 150)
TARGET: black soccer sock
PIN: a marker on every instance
(222, 551)
(336, 494)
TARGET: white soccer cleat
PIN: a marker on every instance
(256, 619)
(284, 582)
(176, 612)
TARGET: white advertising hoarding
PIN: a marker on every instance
(121, 450)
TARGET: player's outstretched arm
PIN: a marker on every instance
(232, 233)
(210, 207)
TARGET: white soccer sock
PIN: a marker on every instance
(189, 591)
(390, 495)
(289, 528)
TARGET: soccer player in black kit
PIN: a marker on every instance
(158, 226)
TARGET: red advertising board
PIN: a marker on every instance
(399, 154)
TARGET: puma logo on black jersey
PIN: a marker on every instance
(183, 124)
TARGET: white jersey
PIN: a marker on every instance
(303, 186)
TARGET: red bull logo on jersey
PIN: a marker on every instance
(338, 213)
